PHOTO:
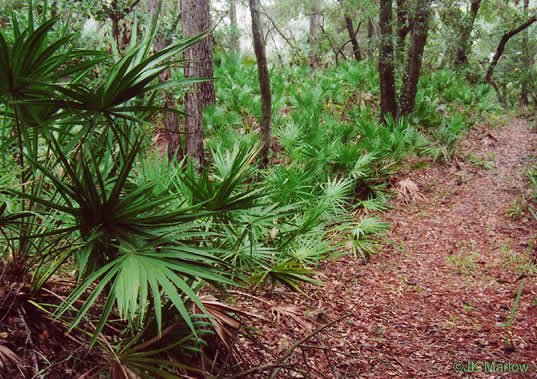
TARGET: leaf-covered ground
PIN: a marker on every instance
(436, 301)
(439, 297)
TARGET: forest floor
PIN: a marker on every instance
(437, 300)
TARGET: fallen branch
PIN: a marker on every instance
(284, 359)
(282, 362)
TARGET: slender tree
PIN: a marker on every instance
(352, 34)
(388, 103)
(264, 80)
(467, 27)
(315, 23)
(527, 61)
(195, 18)
(499, 52)
(235, 35)
(420, 29)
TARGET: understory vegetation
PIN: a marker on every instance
(106, 235)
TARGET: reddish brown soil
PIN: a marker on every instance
(437, 298)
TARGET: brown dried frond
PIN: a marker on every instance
(408, 191)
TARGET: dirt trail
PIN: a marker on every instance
(441, 293)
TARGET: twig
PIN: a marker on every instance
(284, 359)
(252, 296)
(281, 363)
(291, 44)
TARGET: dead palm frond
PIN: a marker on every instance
(408, 191)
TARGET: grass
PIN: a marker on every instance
(521, 262)
(517, 208)
(464, 261)
(486, 163)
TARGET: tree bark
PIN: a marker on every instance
(468, 26)
(264, 81)
(403, 28)
(198, 63)
(388, 103)
(526, 60)
(501, 46)
(352, 38)
(315, 22)
(415, 53)
(235, 35)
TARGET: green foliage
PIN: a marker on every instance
(363, 235)
(79, 197)
(81, 187)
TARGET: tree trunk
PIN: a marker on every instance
(501, 46)
(415, 53)
(526, 60)
(198, 63)
(264, 80)
(388, 104)
(171, 122)
(352, 38)
(235, 35)
(120, 30)
(403, 28)
(315, 22)
(468, 26)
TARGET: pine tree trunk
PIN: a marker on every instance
(461, 54)
(235, 35)
(264, 81)
(407, 98)
(388, 104)
(198, 58)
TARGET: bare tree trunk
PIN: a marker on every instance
(388, 104)
(315, 22)
(120, 30)
(527, 61)
(264, 80)
(468, 26)
(198, 63)
(352, 38)
(407, 97)
(235, 47)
